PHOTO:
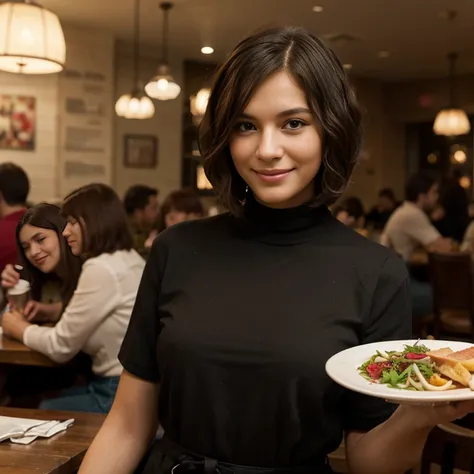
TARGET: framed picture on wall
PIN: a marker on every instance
(140, 151)
(17, 122)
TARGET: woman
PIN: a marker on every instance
(97, 316)
(53, 272)
(237, 315)
(47, 262)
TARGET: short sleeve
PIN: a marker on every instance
(389, 319)
(138, 353)
(421, 230)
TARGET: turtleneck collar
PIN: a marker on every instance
(288, 226)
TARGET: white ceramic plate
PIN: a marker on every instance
(342, 368)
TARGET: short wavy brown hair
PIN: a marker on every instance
(102, 218)
(329, 94)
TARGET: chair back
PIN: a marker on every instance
(450, 447)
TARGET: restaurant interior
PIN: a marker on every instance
(114, 93)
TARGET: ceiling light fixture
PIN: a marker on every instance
(207, 50)
(347, 66)
(318, 9)
(31, 39)
(136, 105)
(451, 121)
(163, 86)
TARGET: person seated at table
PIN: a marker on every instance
(47, 261)
(379, 215)
(53, 271)
(180, 206)
(96, 318)
(409, 229)
(141, 206)
(351, 213)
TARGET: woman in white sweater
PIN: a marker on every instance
(97, 316)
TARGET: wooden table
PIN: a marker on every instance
(61, 454)
(14, 352)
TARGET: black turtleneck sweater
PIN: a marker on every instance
(236, 318)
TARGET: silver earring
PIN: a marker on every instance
(244, 200)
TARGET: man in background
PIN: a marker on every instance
(409, 229)
(14, 189)
(141, 205)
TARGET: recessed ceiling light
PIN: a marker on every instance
(383, 54)
(318, 9)
(207, 50)
(347, 66)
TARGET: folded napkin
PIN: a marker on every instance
(24, 431)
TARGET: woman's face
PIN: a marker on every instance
(276, 144)
(41, 247)
(73, 234)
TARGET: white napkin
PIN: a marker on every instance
(24, 431)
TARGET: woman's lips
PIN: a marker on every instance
(272, 176)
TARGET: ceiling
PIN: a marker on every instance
(411, 30)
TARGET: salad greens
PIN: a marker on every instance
(410, 369)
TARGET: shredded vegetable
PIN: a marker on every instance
(410, 369)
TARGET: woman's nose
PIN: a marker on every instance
(34, 249)
(269, 147)
(66, 231)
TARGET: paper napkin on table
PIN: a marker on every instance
(24, 431)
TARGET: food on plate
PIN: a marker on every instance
(419, 368)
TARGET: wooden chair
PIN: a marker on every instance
(453, 298)
(450, 447)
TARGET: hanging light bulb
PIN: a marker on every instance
(163, 86)
(199, 102)
(31, 39)
(135, 105)
(451, 121)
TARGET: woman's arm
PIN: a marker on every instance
(396, 446)
(96, 296)
(128, 430)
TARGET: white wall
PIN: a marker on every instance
(166, 125)
(90, 56)
(40, 164)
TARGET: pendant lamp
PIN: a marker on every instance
(31, 39)
(163, 86)
(136, 105)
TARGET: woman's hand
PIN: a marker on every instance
(426, 417)
(42, 312)
(14, 325)
(10, 277)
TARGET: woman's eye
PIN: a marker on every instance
(294, 124)
(245, 127)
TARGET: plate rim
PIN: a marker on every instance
(394, 394)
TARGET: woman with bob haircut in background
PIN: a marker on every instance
(96, 317)
(237, 314)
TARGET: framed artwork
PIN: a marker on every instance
(140, 151)
(17, 122)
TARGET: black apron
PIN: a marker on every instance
(166, 457)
